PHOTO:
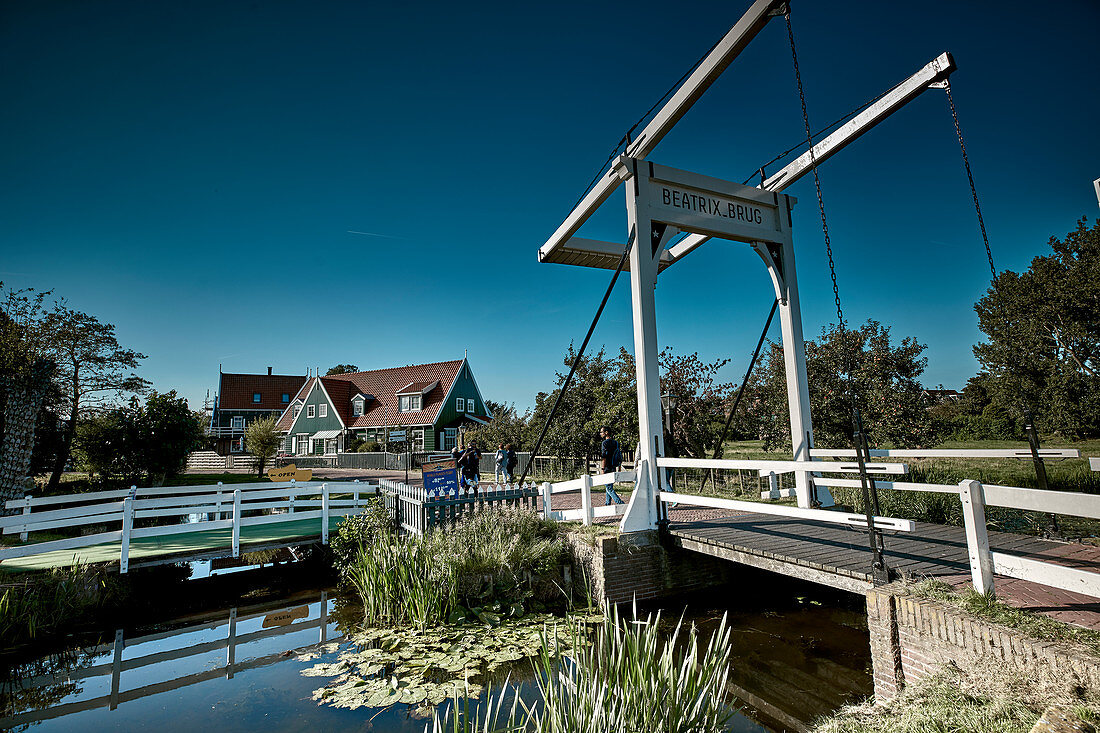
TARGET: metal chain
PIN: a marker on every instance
(970, 176)
(813, 166)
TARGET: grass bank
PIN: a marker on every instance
(992, 700)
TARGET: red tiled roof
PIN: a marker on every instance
(415, 388)
(235, 391)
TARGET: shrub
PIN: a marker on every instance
(369, 446)
(359, 530)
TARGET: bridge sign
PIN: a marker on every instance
(704, 205)
(397, 435)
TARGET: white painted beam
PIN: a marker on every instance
(705, 74)
(824, 466)
(934, 71)
(818, 515)
(946, 453)
(1046, 573)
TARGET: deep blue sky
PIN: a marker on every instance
(190, 172)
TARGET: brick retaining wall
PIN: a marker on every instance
(911, 638)
(636, 566)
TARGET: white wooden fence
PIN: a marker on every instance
(213, 507)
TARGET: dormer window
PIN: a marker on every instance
(357, 407)
(256, 398)
(297, 411)
(410, 403)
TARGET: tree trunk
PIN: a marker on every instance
(260, 464)
(65, 450)
(22, 404)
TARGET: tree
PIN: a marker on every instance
(603, 392)
(138, 442)
(25, 383)
(92, 368)
(701, 403)
(342, 369)
(262, 439)
(168, 431)
(1043, 336)
(884, 378)
(506, 426)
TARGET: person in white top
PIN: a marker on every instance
(501, 458)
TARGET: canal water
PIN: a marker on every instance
(800, 652)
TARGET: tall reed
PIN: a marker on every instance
(631, 676)
(400, 582)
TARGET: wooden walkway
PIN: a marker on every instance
(839, 556)
(191, 546)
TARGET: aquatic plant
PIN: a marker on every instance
(422, 667)
(43, 602)
(630, 677)
(481, 568)
(400, 582)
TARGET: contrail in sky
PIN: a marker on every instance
(372, 234)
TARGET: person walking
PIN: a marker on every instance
(470, 468)
(501, 460)
(510, 461)
(611, 457)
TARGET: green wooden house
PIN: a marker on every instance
(430, 403)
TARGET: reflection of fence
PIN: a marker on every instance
(216, 507)
(125, 655)
(416, 510)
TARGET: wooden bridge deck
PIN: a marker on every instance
(203, 545)
(839, 556)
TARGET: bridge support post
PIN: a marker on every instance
(977, 538)
(649, 243)
(236, 522)
(798, 388)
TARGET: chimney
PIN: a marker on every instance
(269, 371)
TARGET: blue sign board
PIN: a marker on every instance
(440, 478)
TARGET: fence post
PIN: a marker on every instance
(218, 506)
(355, 495)
(324, 514)
(586, 499)
(972, 496)
(546, 494)
(773, 484)
(127, 529)
(26, 511)
(236, 522)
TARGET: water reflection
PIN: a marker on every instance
(799, 653)
(123, 670)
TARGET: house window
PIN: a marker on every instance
(296, 412)
(303, 444)
(450, 437)
(288, 444)
(237, 423)
(256, 397)
(410, 403)
(286, 397)
(357, 407)
(460, 404)
(471, 407)
(311, 411)
(418, 439)
(323, 410)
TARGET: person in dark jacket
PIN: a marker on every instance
(469, 468)
(611, 457)
(510, 462)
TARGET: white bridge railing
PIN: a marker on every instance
(973, 495)
(215, 507)
(587, 512)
